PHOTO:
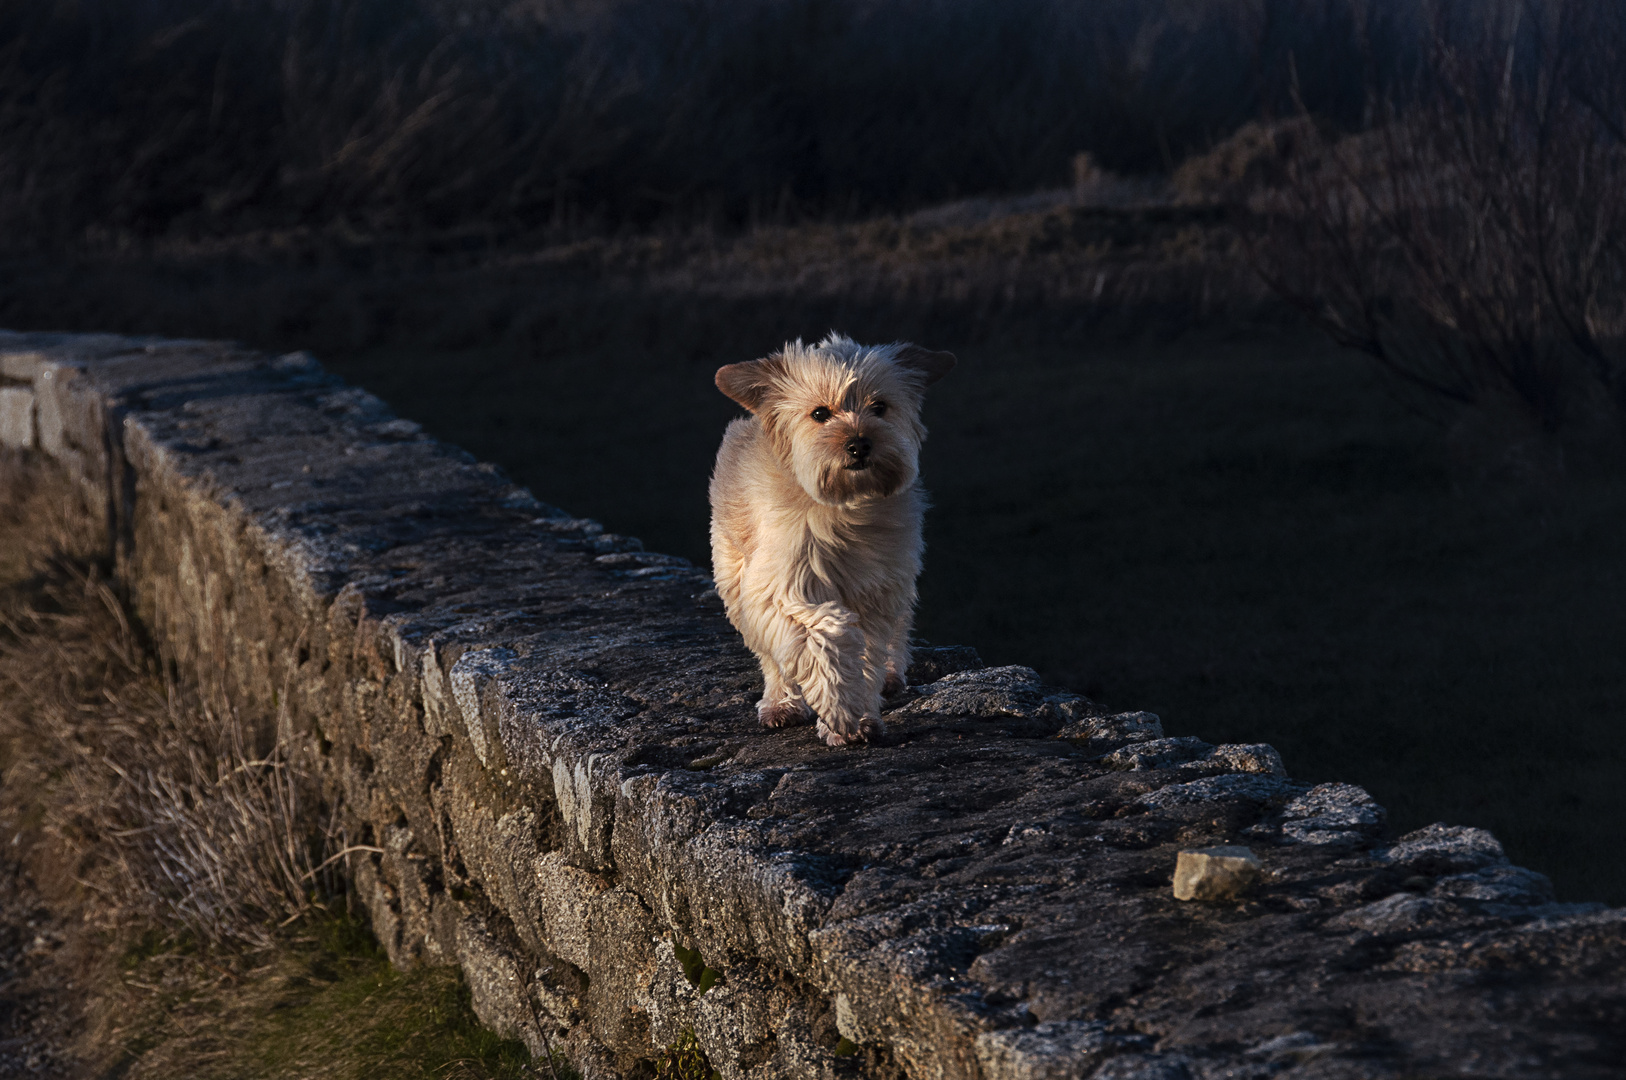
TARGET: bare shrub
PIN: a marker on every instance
(1472, 240)
(159, 801)
(480, 120)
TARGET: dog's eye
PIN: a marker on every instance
(820, 414)
(879, 408)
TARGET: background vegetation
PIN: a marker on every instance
(481, 120)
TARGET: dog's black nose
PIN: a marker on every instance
(858, 449)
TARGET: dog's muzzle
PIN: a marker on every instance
(857, 453)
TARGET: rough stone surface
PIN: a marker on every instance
(1226, 872)
(550, 736)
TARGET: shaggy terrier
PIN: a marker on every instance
(815, 525)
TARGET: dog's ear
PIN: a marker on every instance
(747, 383)
(930, 365)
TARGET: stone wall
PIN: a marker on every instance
(547, 733)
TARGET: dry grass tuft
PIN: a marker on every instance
(160, 803)
(154, 847)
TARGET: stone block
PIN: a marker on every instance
(441, 713)
(69, 419)
(798, 1054)
(668, 997)
(1446, 849)
(1055, 1050)
(1119, 728)
(1497, 885)
(25, 356)
(16, 417)
(1253, 788)
(735, 1022)
(1158, 754)
(567, 896)
(1000, 691)
(1226, 872)
(930, 663)
(1249, 758)
(1145, 1067)
(473, 673)
(1332, 814)
(53, 407)
(17, 360)
(584, 789)
(498, 988)
(1394, 914)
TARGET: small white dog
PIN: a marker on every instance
(815, 525)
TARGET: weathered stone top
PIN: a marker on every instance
(551, 735)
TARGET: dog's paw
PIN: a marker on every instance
(840, 738)
(851, 732)
(895, 684)
(780, 714)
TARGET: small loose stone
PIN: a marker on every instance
(1215, 873)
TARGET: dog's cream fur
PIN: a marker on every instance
(815, 524)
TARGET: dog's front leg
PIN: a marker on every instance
(897, 661)
(830, 670)
(891, 634)
(781, 702)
